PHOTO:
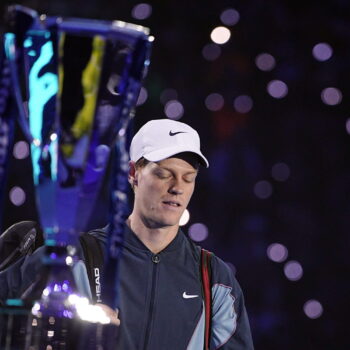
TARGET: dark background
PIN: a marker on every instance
(308, 212)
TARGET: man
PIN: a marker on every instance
(161, 302)
(161, 292)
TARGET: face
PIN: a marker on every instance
(163, 190)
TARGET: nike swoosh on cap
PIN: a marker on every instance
(189, 296)
(175, 133)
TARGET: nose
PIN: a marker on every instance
(175, 188)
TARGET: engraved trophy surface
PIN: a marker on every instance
(75, 83)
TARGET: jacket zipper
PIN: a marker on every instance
(155, 260)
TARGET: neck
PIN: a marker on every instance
(154, 238)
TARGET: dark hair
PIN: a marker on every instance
(141, 163)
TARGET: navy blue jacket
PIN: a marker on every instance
(161, 297)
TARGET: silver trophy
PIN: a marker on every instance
(74, 83)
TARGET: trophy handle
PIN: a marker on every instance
(25, 16)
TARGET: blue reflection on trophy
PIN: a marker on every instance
(81, 80)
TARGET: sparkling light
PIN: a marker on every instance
(211, 52)
(243, 103)
(229, 17)
(174, 109)
(293, 270)
(53, 137)
(277, 88)
(143, 95)
(277, 252)
(263, 189)
(17, 196)
(322, 52)
(21, 150)
(198, 232)
(214, 102)
(220, 35)
(265, 61)
(313, 309)
(167, 95)
(280, 172)
(141, 11)
(185, 217)
(331, 96)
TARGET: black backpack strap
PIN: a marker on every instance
(206, 286)
(94, 261)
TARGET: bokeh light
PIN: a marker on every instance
(211, 52)
(293, 270)
(198, 232)
(263, 189)
(265, 62)
(243, 103)
(21, 150)
(17, 196)
(331, 96)
(167, 95)
(185, 217)
(141, 11)
(347, 126)
(229, 17)
(322, 52)
(220, 35)
(277, 252)
(174, 109)
(214, 102)
(313, 309)
(277, 88)
(280, 172)
(143, 95)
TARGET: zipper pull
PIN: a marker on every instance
(156, 258)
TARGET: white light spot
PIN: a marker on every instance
(322, 52)
(347, 126)
(280, 172)
(214, 102)
(141, 11)
(229, 17)
(174, 109)
(198, 232)
(293, 270)
(331, 96)
(243, 103)
(53, 137)
(313, 309)
(143, 95)
(263, 189)
(211, 52)
(277, 252)
(17, 196)
(69, 260)
(277, 88)
(185, 217)
(167, 95)
(265, 62)
(220, 35)
(21, 150)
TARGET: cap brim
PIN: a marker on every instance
(164, 153)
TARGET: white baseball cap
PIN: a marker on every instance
(162, 138)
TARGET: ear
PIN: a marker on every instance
(132, 176)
